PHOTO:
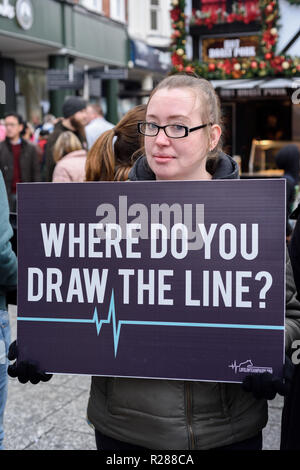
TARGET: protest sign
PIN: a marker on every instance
(178, 280)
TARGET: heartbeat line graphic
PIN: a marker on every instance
(116, 325)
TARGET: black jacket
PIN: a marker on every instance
(290, 438)
(29, 165)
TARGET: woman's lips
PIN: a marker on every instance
(163, 158)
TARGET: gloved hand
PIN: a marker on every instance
(267, 385)
(25, 370)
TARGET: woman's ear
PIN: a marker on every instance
(215, 134)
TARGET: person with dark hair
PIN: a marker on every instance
(288, 159)
(74, 119)
(114, 152)
(19, 161)
(8, 281)
(97, 124)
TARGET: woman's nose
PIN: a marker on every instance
(162, 138)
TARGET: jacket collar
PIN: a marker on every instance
(226, 168)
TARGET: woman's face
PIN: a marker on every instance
(178, 159)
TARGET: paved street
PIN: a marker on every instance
(52, 415)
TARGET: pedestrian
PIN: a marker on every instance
(70, 159)
(290, 438)
(135, 413)
(19, 161)
(114, 152)
(74, 120)
(2, 130)
(8, 281)
(97, 124)
(288, 159)
(182, 132)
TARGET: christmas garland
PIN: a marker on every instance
(211, 16)
(265, 64)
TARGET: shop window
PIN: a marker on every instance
(117, 10)
(94, 5)
(154, 15)
(31, 91)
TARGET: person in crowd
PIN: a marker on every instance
(19, 161)
(290, 437)
(97, 124)
(70, 159)
(112, 155)
(188, 149)
(182, 132)
(28, 132)
(74, 120)
(48, 124)
(8, 281)
(2, 130)
(288, 159)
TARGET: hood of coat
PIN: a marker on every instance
(226, 168)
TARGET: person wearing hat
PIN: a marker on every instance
(74, 120)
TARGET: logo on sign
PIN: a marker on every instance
(249, 368)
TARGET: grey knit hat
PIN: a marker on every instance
(72, 105)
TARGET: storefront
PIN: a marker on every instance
(243, 50)
(258, 109)
(37, 36)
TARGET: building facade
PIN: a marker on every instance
(149, 31)
(55, 48)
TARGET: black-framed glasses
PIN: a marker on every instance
(174, 131)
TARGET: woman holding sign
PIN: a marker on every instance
(182, 132)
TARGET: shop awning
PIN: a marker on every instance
(256, 83)
(256, 87)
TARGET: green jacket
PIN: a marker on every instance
(173, 414)
(8, 261)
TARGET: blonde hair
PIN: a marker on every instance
(114, 152)
(66, 143)
(210, 109)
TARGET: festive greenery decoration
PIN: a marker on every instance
(267, 63)
(245, 13)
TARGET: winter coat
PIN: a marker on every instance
(8, 261)
(29, 164)
(49, 161)
(290, 437)
(71, 168)
(176, 414)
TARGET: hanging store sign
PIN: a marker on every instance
(252, 92)
(65, 79)
(107, 73)
(228, 48)
(150, 58)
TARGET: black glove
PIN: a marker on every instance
(267, 385)
(25, 370)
